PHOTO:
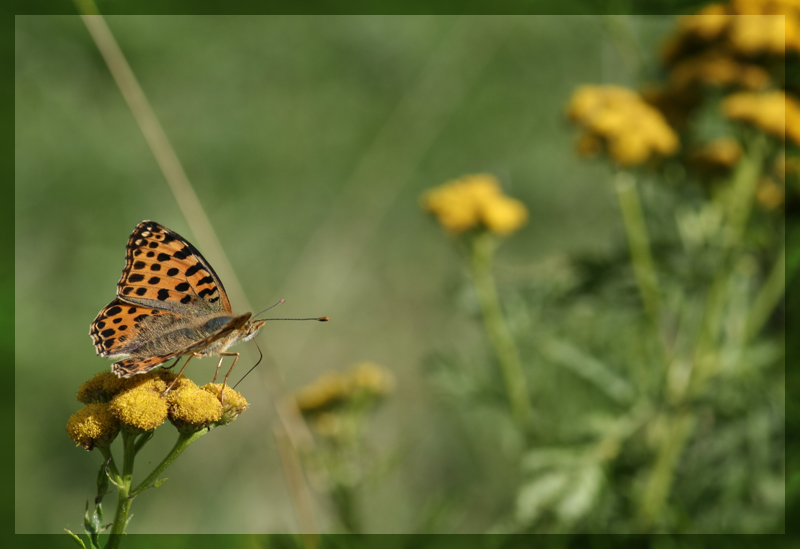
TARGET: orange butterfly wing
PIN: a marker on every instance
(169, 303)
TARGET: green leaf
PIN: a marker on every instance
(78, 540)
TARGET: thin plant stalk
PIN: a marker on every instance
(482, 252)
(123, 483)
(659, 482)
(705, 361)
(639, 243)
(345, 502)
(768, 297)
(183, 442)
(131, 445)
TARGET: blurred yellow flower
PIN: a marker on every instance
(93, 425)
(632, 131)
(708, 24)
(773, 112)
(755, 34)
(769, 194)
(365, 381)
(720, 154)
(718, 68)
(369, 377)
(473, 201)
(745, 27)
(326, 392)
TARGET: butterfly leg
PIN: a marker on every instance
(225, 381)
(191, 356)
(171, 366)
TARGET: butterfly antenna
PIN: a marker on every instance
(256, 364)
(318, 318)
(261, 355)
(281, 302)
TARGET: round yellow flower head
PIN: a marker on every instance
(474, 201)
(329, 391)
(370, 378)
(718, 155)
(141, 408)
(233, 403)
(745, 27)
(718, 68)
(191, 408)
(93, 425)
(99, 388)
(631, 130)
(755, 33)
(773, 112)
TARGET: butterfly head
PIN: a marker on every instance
(251, 329)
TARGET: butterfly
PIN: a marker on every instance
(170, 303)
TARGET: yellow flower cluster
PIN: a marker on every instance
(743, 27)
(718, 155)
(139, 405)
(717, 68)
(93, 425)
(619, 120)
(364, 381)
(773, 112)
(475, 201)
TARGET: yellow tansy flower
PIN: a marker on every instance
(504, 215)
(233, 403)
(97, 388)
(720, 154)
(141, 408)
(191, 408)
(719, 69)
(632, 131)
(371, 378)
(326, 392)
(474, 201)
(773, 112)
(93, 425)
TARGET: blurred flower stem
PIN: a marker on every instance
(482, 248)
(769, 295)
(707, 350)
(641, 258)
(737, 205)
(344, 501)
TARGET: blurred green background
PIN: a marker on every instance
(309, 141)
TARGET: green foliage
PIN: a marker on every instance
(309, 141)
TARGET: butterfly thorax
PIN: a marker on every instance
(220, 344)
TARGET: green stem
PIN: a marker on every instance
(769, 295)
(738, 204)
(123, 487)
(639, 243)
(482, 251)
(344, 500)
(659, 483)
(705, 361)
(183, 442)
